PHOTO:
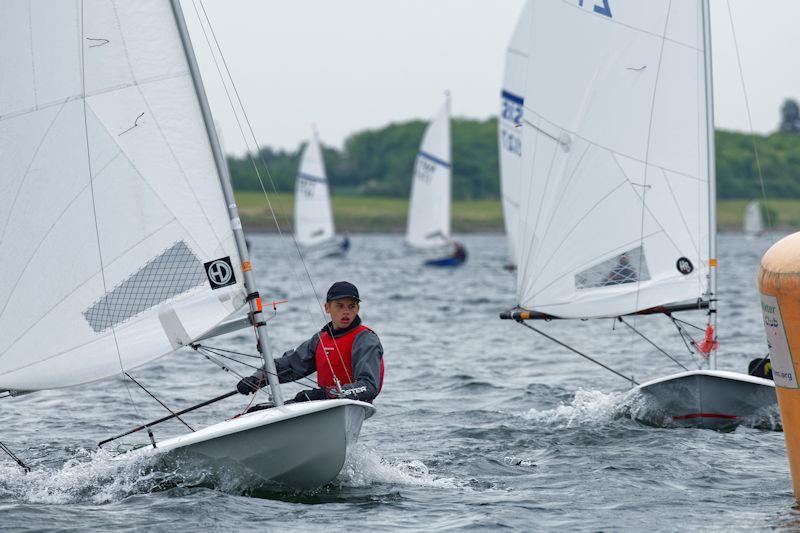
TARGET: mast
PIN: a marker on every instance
(712, 179)
(233, 212)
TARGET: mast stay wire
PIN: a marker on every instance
(263, 162)
(653, 344)
(160, 402)
(629, 379)
(749, 116)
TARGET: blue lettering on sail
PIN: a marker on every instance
(605, 9)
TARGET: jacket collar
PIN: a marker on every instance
(343, 331)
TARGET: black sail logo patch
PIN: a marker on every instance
(220, 272)
(684, 266)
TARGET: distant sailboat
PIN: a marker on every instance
(313, 215)
(753, 224)
(618, 213)
(510, 130)
(429, 208)
(120, 237)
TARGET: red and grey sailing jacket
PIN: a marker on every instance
(353, 356)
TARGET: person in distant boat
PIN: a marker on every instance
(622, 273)
(459, 252)
(345, 242)
(346, 355)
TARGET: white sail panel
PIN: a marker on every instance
(510, 128)
(429, 208)
(313, 216)
(614, 158)
(753, 221)
(110, 205)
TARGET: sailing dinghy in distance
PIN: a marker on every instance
(313, 215)
(618, 215)
(120, 236)
(429, 208)
(510, 132)
(753, 224)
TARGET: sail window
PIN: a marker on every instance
(627, 267)
(175, 271)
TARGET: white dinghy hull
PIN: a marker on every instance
(302, 445)
(711, 399)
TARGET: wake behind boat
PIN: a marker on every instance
(618, 186)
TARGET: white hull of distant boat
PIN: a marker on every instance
(302, 445)
(710, 399)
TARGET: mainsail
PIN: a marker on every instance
(429, 209)
(313, 216)
(116, 243)
(510, 128)
(615, 209)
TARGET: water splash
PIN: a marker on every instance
(365, 467)
(95, 476)
(586, 407)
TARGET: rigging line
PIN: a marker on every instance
(94, 203)
(159, 401)
(203, 350)
(654, 345)
(570, 348)
(266, 168)
(698, 328)
(16, 459)
(647, 148)
(688, 342)
(234, 352)
(749, 117)
(229, 358)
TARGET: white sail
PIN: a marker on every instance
(615, 204)
(113, 224)
(429, 208)
(313, 216)
(753, 221)
(510, 128)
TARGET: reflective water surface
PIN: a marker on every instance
(481, 424)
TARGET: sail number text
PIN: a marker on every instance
(601, 7)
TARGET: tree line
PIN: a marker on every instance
(380, 162)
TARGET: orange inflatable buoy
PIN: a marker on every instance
(779, 284)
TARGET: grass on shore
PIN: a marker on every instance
(378, 214)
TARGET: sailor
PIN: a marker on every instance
(345, 245)
(459, 252)
(346, 355)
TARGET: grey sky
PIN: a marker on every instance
(349, 65)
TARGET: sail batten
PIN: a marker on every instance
(116, 240)
(614, 215)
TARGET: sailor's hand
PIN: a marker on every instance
(248, 385)
(311, 394)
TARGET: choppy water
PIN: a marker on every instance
(481, 424)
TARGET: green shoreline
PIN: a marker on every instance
(370, 214)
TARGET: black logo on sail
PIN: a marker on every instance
(684, 266)
(220, 272)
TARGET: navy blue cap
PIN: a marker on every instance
(343, 289)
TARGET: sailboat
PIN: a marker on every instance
(509, 130)
(753, 224)
(120, 236)
(618, 207)
(429, 208)
(313, 216)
